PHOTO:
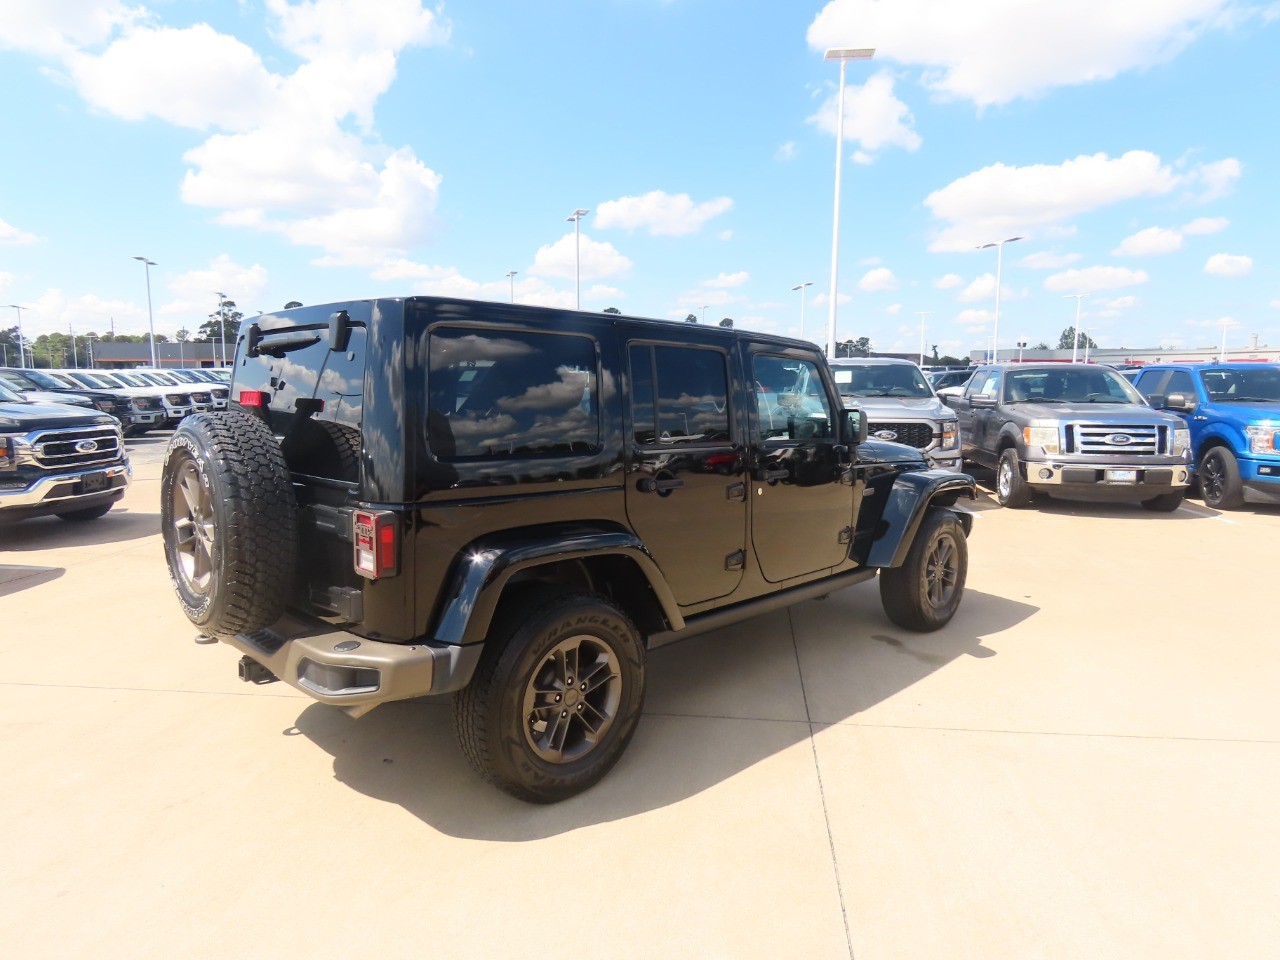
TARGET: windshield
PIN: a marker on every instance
(1235, 384)
(1069, 385)
(17, 381)
(91, 380)
(8, 396)
(881, 380)
(131, 380)
(184, 375)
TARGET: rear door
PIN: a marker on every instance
(686, 468)
(801, 486)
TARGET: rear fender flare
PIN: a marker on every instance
(911, 496)
(484, 567)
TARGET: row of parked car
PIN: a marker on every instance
(1086, 431)
(62, 432)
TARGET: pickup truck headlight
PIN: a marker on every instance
(949, 434)
(8, 454)
(1263, 439)
(177, 399)
(1044, 437)
(1181, 441)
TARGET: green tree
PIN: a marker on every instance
(1064, 341)
(611, 310)
(691, 318)
(293, 303)
(727, 322)
(225, 321)
(860, 347)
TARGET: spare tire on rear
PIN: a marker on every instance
(229, 519)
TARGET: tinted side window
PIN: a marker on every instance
(644, 427)
(511, 394)
(991, 388)
(1180, 382)
(685, 399)
(976, 384)
(1149, 382)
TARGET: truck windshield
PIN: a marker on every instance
(8, 396)
(1234, 384)
(17, 381)
(1069, 385)
(881, 380)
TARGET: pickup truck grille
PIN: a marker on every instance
(57, 449)
(1117, 439)
(918, 435)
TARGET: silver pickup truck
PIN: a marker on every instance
(1072, 431)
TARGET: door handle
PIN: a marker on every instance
(764, 473)
(659, 486)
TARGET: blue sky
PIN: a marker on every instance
(339, 149)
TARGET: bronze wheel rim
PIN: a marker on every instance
(572, 699)
(941, 572)
(193, 529)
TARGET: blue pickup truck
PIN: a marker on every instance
(1233, 410)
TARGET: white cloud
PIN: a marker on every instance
(1206, 225)
(728, 280)
(1275, 304)
(725, 235)
(877, 279)
(6, 281)
(870, 262)
(1217, 179)
(1000, 201)
(787, 152)
(599, 260)
(1228, 265)
(821, 300)
(1092, 279)
(975, 319)
(11, 236)
(1114, 308)
(949, 281)
(994, 51)
(193, 291)
(1150, 242)
(661, 214)
(893, 309)
(873, 117)
(1044, 260)
(283, 157)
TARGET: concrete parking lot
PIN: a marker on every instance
(1084, 763)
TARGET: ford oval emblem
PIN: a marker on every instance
(1119, 439)
(886, 435)
(86, 446)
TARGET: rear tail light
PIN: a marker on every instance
(253, 398)
(376, 537)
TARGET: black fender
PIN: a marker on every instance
(911, 495)
(484, 567)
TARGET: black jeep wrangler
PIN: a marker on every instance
(514, 504)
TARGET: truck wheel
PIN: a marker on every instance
(1220, 485)
(1165, 503)
(88, 513)
(924, 593)
(1011, 490)
(228, 516)
(555, 697)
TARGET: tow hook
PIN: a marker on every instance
(251, 671)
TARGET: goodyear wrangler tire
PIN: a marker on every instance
(228, 516)
(924, 593)
(555, 698)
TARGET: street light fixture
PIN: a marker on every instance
(151, 323)
(22, 341)
(222, 323)
(576, 217)
(704, 312)
(995, 333)
(511, 275)
(1075, 341)
(800, 287)
(844, 55)
(922, 314)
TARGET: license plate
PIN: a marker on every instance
(1122, 476)
(92, 482)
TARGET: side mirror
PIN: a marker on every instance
(1179, 402)
(853, 428)
(982, 401)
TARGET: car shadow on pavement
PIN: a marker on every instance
(691, 738)
(14, 579)
(49, 533)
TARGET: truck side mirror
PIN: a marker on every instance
(853, 429)
(1179, 402)
(982, 400)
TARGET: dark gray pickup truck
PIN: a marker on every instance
(1072, 431)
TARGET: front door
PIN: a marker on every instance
(686, 476)
(801, 486)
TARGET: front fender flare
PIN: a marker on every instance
(909, 498)
(485, 566)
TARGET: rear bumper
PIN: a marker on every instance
(58, 493)
(353, 672)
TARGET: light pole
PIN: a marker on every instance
(995, 333)
(704, 312)
(222, 324)
(511, 275)
(21, 340)
(1222, 350)
(75, 360)
(800, 287)
(1022, 345)
(844, 55)
(1075, 342)
(151, 323)
(576, 217)
(922, 314)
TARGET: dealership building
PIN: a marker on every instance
(1254, 352)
